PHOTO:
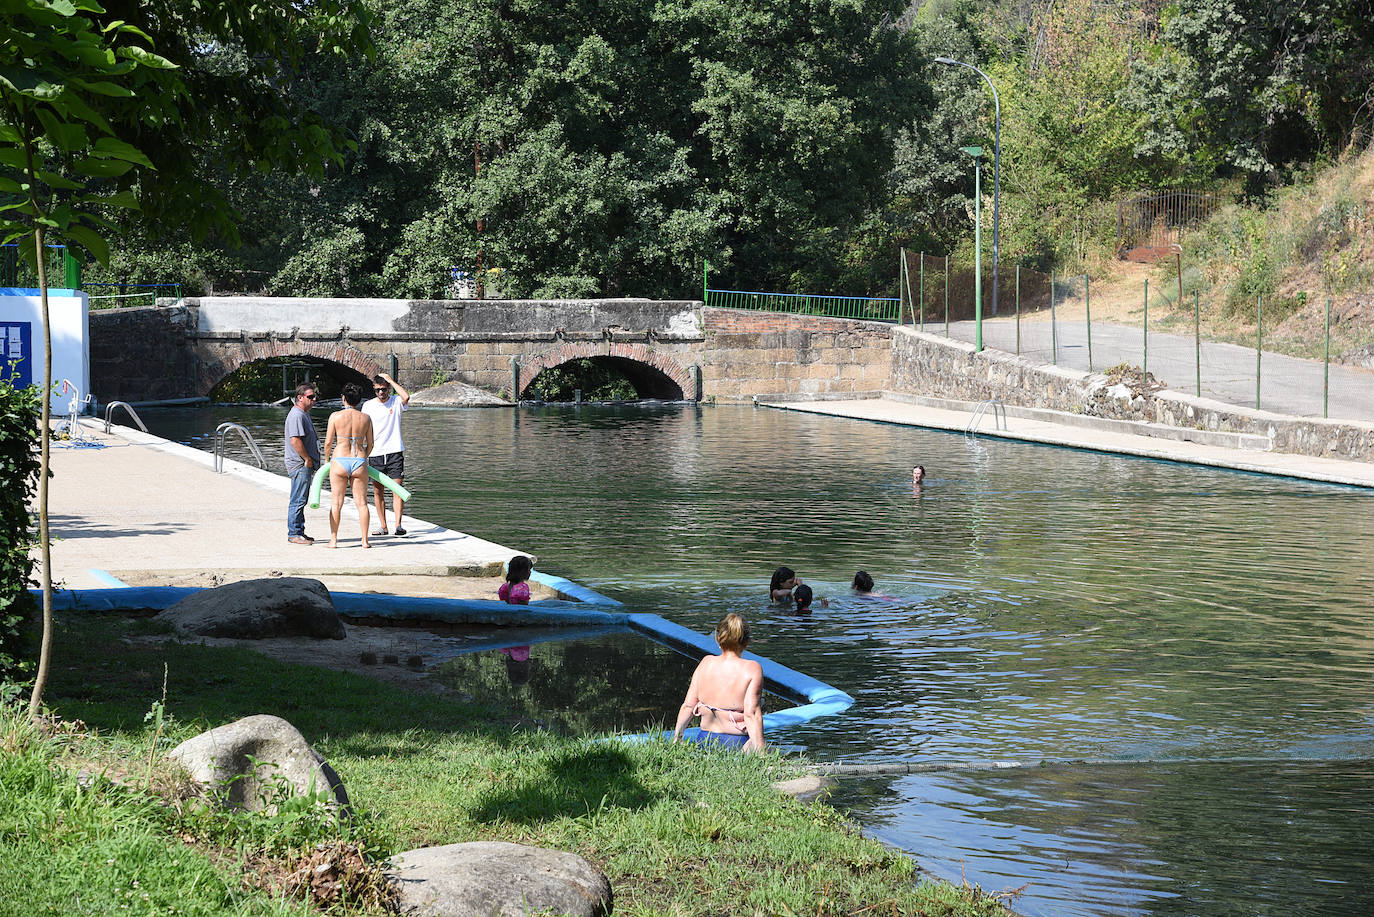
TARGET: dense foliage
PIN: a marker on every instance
(607, 148)
(19, 409)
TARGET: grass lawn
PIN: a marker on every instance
(678, 830)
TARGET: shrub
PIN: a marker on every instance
(20, 409)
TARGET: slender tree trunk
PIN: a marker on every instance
(45, 545)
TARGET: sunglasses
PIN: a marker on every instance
(380, 388)
(312, 397)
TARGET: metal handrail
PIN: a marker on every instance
(222, 431)
(109, 410)
(75, 408)
(999, 416)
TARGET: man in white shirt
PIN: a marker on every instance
(388, 452)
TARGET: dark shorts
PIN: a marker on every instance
(393, 465)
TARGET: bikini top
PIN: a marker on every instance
(736, 715)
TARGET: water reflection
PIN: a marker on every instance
(1050, 604)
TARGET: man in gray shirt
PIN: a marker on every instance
(302, 447)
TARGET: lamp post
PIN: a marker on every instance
(996, 165)
(977, 153)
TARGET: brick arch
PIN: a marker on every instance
(215, 370)
(638, 353)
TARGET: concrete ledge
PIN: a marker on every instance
(817, 396)
(1245, 441)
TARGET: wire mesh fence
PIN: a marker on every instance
(1161, 330)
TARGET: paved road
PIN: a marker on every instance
(1289, 385)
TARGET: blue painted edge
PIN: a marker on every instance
(823, 700)
(569, 588)
(107, 578)
(34, 291)
(358, 605)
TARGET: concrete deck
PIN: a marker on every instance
(153, 512)
(1102, 435)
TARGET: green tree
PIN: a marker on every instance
(1259, 84)
(77, 83)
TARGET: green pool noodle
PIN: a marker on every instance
(318, 482)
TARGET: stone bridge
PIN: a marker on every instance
(668, 350)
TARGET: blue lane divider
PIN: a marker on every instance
(822, 699)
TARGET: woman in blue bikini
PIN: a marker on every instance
(727, 693)
(352, 430)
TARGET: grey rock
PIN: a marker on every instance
(458, 394)
(496, 879)
(287, 606)
(805, 788)
(256, 762)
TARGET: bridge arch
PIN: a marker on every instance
(653, 374)
(214, 368)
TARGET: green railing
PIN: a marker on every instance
(63, 270)
(867, 308)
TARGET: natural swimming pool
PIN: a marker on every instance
(1051, 604)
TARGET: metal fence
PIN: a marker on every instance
(61, 268)
(1160, 330)
(868, 308)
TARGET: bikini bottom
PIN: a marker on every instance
(722, 739)
(350, 464)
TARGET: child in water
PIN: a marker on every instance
(783, 582)
(805, 596)
(863, 585)
(516, 589)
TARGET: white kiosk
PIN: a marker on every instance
(21, 336)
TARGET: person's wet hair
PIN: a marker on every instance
(352, 394)
(732, 633)
(803, 595)
(863, 582)
(519, 569)
(780, 576)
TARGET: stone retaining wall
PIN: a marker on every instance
(923, 364)
(141, 354)
(767, 353)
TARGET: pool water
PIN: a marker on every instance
(1202, 639)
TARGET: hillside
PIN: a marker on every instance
(1311, 241)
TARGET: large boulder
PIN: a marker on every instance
(286, 606)
(496, 879)
(256, 763)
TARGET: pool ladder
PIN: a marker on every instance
(222, 433)
(999, 416)
(109, 411)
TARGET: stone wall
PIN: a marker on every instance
(923, 364)
(766, 353)
(142, 354)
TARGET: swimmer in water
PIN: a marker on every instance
(863, 585)
(805, 597)
(781, 585)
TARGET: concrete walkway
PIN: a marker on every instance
(1081, 432)
(153, 512)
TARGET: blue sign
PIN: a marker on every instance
(16, 362)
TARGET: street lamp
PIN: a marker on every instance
(977, 153)
(996, 166)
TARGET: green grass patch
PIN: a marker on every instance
(679, 830)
